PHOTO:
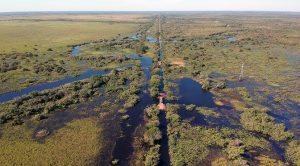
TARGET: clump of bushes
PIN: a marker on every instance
(45, 102)
(125, 117)
(293, 152)
(154, 85)
(207, 112)
(190, 107)
(235, 149)
(255, 120)
(266, 160)
(153, 156)
(190, 145)
(152, 135)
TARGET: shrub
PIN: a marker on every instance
(39, 117)
(115, 161)
(132, 101)
(152, 111)
(190, 107)
(235, 149)
(151, 135)
(122, 111)
(207, 112)
(17, 121)
(152, 156)
(154, 91)
(125, 117)
(293, 152)
(261, 122)
(267, 161)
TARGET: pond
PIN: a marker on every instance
(151, 39)
(191, 92)
(231, 39)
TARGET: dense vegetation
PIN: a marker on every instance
(125, 83)
(259, 121)
(191, 145)
(152, 135)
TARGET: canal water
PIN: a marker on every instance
(124, 145)
(164, 142)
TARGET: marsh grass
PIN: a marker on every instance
(77, 143)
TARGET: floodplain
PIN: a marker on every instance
(150, 88)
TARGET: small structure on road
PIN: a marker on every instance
(162, 105)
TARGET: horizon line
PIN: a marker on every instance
(40, 11)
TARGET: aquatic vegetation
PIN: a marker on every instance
(152, 133)
(255, 120)
(207, 112)
(293, 152)
(69, 95)
(154, 84)
(153, 156)
(267, 161)
(190, 107)
(115, 162)
(125, 117)
(235, 149)
(190, 145)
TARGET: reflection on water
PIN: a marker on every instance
(76, 51)
(231, 39)
(192, 93)
(151, 39)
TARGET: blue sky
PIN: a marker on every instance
(149, 5)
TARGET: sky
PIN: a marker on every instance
(149, 5)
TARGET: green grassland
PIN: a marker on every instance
(24, 35)
(75, 144)
(49, 42)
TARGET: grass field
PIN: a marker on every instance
(23, 36)
(75, 144)
(50, 41)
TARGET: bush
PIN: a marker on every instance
(115, 162)
(39, 117)
(122, 111)
(259, 121)
(235, 149)
(17, 121)
(132, 101)
(151, 135)
(190, 107)
(152, 156)
(154, 91)
(152, 111)
(267, 161)
(125, 117)
(293, 152)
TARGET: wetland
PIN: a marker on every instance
(197, 88)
